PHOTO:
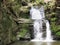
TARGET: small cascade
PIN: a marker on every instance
(38, 16)
(48, 32)
(37, 30)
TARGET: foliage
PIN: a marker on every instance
(58, 33)
(11, 10)
(24, 29)
(52, 16)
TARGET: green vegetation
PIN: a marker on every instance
(11, 10)
(52, 14)
(24, 30)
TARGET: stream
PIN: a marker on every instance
(35, 43)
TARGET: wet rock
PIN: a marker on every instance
(24, 3)
(24, 39)
(31, 31)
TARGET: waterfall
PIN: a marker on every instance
(37, 29)
(38, 16)
(48, 31)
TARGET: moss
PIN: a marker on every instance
(24, 29)
(23, 32)
(58, 33)
(53, 19)
(55, 27)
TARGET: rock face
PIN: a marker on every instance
(24, 3)
(22, 20)
(58, 2)
(29, 35)
(24, 39)
(46, 1)
(31, 31)
(56, 38)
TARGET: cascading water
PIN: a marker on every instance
(48, 31)
(37, 30)
(38, 16)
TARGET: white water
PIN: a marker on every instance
(38, 15)
(48, 31)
